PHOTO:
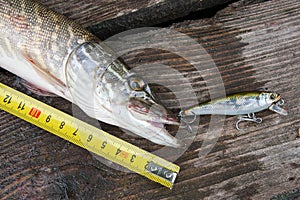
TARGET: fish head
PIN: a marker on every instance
(142, 104)
(136, 109)
(104, 88)
(147, 113)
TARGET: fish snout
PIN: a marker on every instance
(152, 112)
(149, 121)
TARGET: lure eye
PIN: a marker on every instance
(136, 84)
(273, 96)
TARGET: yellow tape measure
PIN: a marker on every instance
(88, 137)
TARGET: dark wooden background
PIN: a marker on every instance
(255, 44)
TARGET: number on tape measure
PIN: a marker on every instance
(62, 124)
(103, 145)
(48, 118)
(7, 99)
(34, 112)
(21, 106)
(88, 137)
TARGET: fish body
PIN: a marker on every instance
(237, 104)
(56, 55)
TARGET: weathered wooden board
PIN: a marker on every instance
(254, 46)
(108, 17)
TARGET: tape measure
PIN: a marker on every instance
(88, 137)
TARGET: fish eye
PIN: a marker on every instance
(136, 84)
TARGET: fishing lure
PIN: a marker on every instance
(244, 105)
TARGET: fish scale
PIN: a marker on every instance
(40, 35)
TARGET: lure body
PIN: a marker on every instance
(236, 104)
(244, 105)
(56, 55)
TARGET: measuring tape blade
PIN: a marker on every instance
(89, 137)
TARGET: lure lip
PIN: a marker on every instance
(275, 107)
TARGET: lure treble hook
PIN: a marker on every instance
(250, 118)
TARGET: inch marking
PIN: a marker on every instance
(21, 106)
(7, 99)
(34, 112)
(75, 132)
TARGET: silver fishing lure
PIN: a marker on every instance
(244, 105)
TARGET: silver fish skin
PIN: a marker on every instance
(237, 104)
(56, 55)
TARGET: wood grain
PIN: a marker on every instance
(106, 18)
(255, 45)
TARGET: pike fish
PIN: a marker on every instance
(54, 55)
(244, 105)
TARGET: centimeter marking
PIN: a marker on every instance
(88, 137)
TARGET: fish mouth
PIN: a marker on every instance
(152, 113)
(149, 120)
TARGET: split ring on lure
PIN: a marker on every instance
(187, 123)
(244, 105)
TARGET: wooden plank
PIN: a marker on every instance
(254, 46)
(106, 18)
